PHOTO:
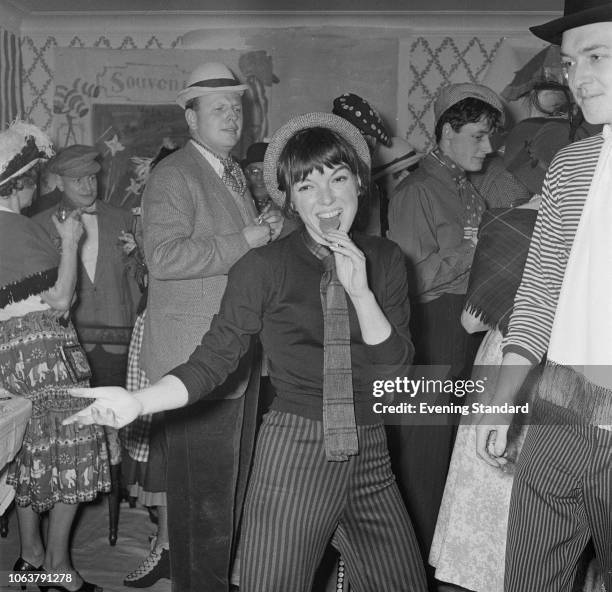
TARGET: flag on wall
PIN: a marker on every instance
(11, 98)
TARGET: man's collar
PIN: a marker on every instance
(211, 158)
(69, 206)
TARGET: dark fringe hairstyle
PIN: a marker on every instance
(315, 149)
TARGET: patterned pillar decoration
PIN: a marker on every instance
(11, 99)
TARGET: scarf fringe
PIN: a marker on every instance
(480, 314)
(568, 388)
(29, 286)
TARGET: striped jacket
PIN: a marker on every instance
(564, 193)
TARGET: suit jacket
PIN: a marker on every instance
(192, 228)
(111, 299)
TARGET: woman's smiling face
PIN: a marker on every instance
(326, 201)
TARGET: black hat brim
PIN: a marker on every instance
(553, 30)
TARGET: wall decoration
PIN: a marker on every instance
(436, 62)
(123, 102)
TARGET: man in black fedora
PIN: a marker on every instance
(562, 492)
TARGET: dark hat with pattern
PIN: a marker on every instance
(75, 161)
(454, 93)
(362, 115)
(577, 13)
(306, 121)
(22, 146)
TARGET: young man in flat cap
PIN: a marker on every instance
(107, 292)
(198, 220)
(562, 492)
(434, 216)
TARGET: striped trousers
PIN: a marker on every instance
(297, 502)
(561, 497)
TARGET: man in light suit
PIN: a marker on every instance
(198, 220)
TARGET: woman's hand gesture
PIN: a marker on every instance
(70, 230)
(350, 264)
(113, 406)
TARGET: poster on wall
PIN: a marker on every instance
(123, 103)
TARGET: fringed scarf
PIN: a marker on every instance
(503, 243)
(28, 261)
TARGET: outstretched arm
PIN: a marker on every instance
(116, 407)
(213, 360)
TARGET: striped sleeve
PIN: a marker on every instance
(564, 193)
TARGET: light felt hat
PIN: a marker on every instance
(306, 121)
(454, 93)
(211, 77)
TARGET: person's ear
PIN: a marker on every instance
(59, 182)
(447, 130)
(191, 117)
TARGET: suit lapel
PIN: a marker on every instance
(222, 193)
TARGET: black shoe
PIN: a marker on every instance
(24, 566)
(153, 568)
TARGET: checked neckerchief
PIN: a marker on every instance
(339, 426)
(233, 176)
(473, 203)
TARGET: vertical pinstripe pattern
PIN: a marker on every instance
(11, 102)
(562, 495)
(297, 501)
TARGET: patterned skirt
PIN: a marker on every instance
(56, 463)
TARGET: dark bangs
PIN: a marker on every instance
(315, 149)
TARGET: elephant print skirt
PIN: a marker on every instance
(56, 463)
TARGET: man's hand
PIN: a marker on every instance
(492, 429)
(275, 219)
(257, 235)
(127, 242)
(491, 439)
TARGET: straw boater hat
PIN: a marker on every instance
(306, 121)
(22, 146)
(209, 78)
(454, 93)
(399, 156)
(577, 13)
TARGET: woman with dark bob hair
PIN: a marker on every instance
(331, 309)
(58, 465)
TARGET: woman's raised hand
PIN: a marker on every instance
(350, 263)
(71, 229)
